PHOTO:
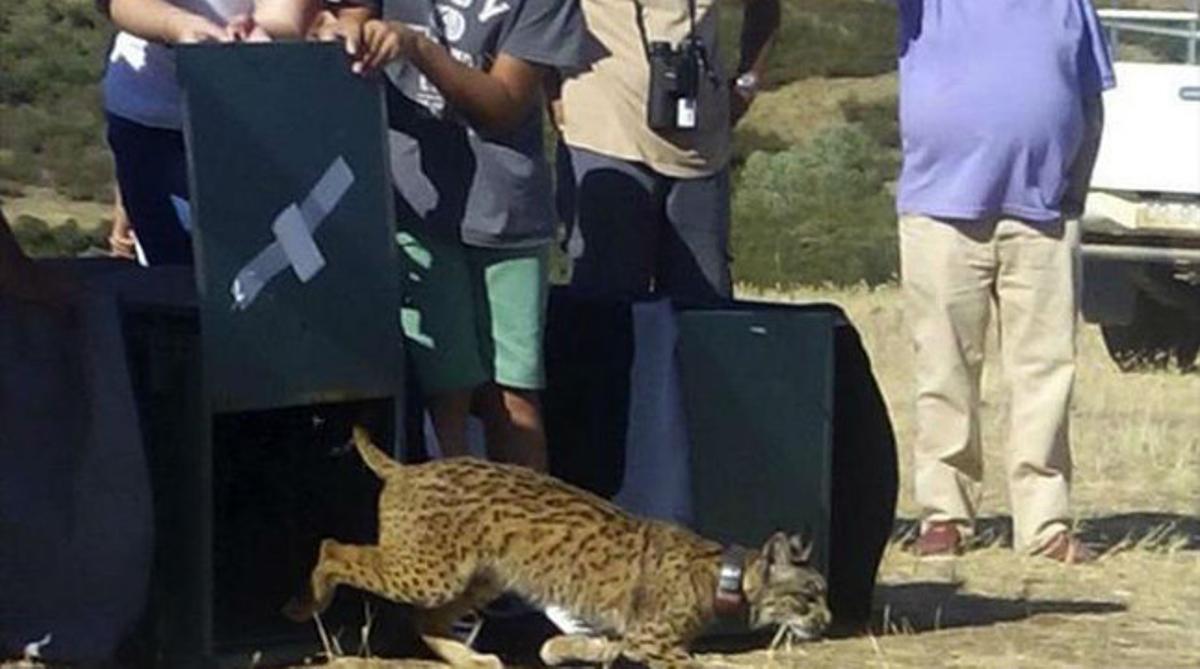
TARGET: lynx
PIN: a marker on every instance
(455, 534)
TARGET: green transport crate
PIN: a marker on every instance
(248, 383)
(785, 426)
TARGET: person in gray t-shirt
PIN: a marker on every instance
(474, 198)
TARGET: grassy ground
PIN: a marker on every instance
(1137, 496)
(52, 207)
(1136, 439)
(1137, 493)
(798, 111)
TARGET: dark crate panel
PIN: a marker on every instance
(264, 125)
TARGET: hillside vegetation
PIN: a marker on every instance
(813, 159)
(51, 124)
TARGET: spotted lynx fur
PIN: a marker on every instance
(454, 534)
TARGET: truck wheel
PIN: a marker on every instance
(1157, 336)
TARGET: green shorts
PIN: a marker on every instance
(473, 314)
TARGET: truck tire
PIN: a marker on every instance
(1157, 336)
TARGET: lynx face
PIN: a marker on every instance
(790, 594)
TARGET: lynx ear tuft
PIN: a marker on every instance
(801, 548)
(776, 550)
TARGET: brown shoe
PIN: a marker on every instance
(1067, 549)
(939, 540)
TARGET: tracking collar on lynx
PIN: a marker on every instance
(730, 600)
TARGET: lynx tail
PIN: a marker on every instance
(376, 459)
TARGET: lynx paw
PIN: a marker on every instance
(579, 648)
(459, 656)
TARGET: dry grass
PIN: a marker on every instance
(798, 111)
(1151, 4)
(1136, 441)
(1136, 437)
(993, 610)
(1137, 494)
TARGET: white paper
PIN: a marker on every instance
(686, 112)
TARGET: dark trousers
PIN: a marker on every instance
(152, 177)
(635, 233)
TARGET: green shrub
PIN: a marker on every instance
(49, 49)
(815, 214)
(40, 239)
(748, 140)
(51, 117)
(879, 119)
(10, 189)
(822, 38)
(16, 167)
(1152, 48)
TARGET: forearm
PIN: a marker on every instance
(486, 101)
(760, 24)
(149, 19)
(552, 93)
(285, 18)
(1079, 178)
(359, 14)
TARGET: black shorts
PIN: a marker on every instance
(635, 233)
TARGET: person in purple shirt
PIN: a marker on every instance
(1000, 116)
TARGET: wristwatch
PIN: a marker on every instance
(746, 85)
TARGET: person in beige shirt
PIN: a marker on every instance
(648, 207)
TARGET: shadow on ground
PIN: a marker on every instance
(1149, 528)
(915, 608)
(926, 607)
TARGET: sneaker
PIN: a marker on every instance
(939, 540)
(1067, 549)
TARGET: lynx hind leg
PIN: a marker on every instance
(433, 624)
(579, 648)
(372, 569)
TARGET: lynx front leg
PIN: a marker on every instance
(337, 564)
(459, 655)
(662, 657)
(580, 648)
(658, 650)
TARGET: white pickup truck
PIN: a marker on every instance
(1141, 228)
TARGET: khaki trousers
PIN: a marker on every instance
(953, 272)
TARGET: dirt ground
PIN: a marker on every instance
(1136, 444)
(1136, 440)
